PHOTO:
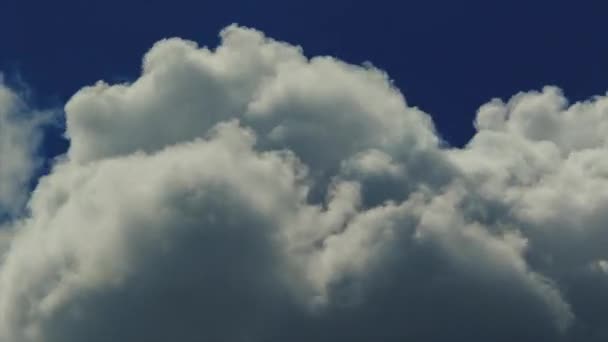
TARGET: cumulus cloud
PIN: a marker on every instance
(250, 193)
(19, 139)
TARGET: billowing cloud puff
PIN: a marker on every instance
(19, 139)
(249, 193)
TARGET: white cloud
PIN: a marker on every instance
(270, 86)
(19, 139)
(249, 193)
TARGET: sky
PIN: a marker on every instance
(303, 171)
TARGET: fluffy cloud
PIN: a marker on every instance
(19, 139)
(249, 193)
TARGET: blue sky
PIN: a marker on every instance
(447, 57)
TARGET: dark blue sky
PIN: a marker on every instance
(448, 57)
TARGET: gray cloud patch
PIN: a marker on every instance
(248, 193)
(19, 139)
